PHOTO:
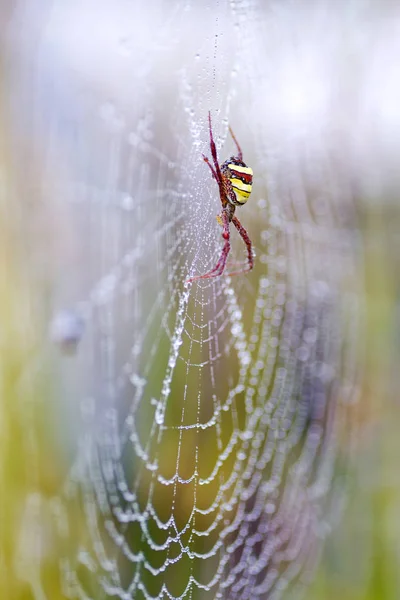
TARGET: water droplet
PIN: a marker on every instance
(262, 203)
(127, 202)
(66, 330)
(159, 414)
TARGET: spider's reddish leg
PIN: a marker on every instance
(245, 237)
(206, 160)
(213, 149)
(240, 154)
(220, 266)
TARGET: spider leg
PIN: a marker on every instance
(213, 149)
(215, 170)
(207, 160)
(220, 266)
(220, 182)
(245, 237)
(240, 154)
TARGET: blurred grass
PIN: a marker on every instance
(361, 558)
(31, 465)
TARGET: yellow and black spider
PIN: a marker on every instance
(234, 179)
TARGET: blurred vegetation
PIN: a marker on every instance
(31, 464)
(361, 557)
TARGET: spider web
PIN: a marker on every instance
(209, 423)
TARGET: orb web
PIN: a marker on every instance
(213, 427)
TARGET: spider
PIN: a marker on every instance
(234, 179)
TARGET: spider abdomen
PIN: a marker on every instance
(240, 177)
